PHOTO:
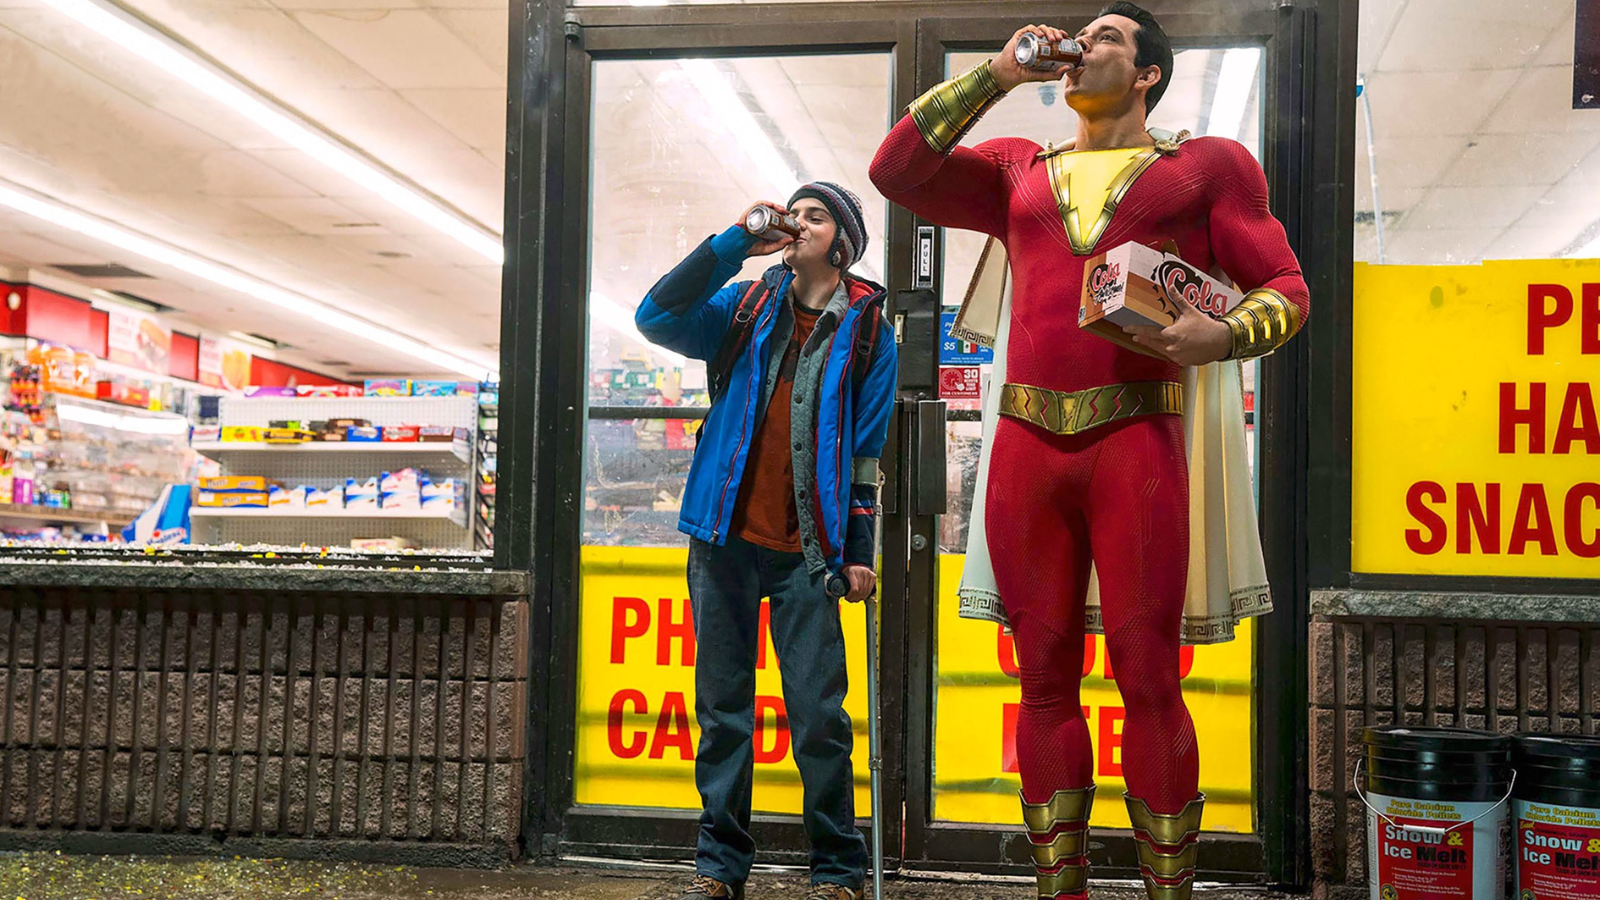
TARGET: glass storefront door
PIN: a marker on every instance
(683, 125)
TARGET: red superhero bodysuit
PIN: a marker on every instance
(1116, 492)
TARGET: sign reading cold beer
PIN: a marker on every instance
(637, 735)
(1476, 434)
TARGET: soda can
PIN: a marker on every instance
(768, 224)
(1034, 52)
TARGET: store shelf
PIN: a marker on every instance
(53, 516)
(421, 452)
(281, 513)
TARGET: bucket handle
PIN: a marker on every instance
(1425, 829)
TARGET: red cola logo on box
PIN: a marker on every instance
(1182, 281)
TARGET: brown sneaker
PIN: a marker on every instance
(824, 891)
(706, 886)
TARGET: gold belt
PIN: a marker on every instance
(1070, 413)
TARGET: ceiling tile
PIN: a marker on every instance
(1560, 47)
(1541, 101)
(486, 31)
(1519, 159)
(1413, 104)
(1451, 35)
(1378, 18)
(317, 215)
(476, 117)
(403, 48)
(1438, 246)
(1487, 207)
(1406, 163)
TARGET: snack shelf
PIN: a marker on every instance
(424, 451)
(456, 515)
(53, 515)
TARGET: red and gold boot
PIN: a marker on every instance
(1059, 834)
(1168, 846)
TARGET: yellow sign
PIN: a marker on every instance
(977, 697)
(1476, 440)
(636, 734)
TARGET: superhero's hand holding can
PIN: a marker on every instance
(1195, 339)
(1042, 58)
(773, 226)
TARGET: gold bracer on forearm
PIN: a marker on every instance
(949, 110)
(1262, 322)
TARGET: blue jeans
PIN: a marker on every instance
(726, 585)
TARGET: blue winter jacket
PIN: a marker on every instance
(838, 428)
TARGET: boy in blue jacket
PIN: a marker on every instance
(781, 501)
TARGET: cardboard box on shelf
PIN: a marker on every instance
(364, 434)
(1137, 285)
(332, 498)
(323, 391)
(388, 543)
(246, 483)
(233, 499)
(399, 434)
(244, 434)
(388, 387)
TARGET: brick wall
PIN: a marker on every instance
(1486, 675)
(374, 719)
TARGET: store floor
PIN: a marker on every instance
(49, 876)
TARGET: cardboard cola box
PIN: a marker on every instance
(1119, 289)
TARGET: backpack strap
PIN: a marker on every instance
(866, 343)
(745, 315)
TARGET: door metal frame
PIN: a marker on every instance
(544, 333)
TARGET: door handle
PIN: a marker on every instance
(928, 459)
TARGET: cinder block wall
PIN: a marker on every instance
(381, 727)
(1493, 676)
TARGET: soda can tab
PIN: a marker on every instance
(1034, 52)
(768, 224)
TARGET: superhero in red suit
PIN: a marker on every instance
(1107, 487)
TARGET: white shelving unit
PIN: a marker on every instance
(328, 464)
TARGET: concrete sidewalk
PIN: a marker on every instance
(49, 876)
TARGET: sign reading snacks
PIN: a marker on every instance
(636, 734)
(1476, 430)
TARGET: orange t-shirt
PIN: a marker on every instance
(765, 514)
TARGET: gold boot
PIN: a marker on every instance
(1058, 832)
(1168, 846)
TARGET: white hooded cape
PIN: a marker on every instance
(1227, 574)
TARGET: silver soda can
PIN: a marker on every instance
(768, 224)
(1034, 52)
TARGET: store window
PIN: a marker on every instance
(682, 147)
(254, 303)
(1477, 244)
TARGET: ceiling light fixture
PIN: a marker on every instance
(1234, 82)
(264, 343)
(314, 310)
(149, 44)
(752, 139)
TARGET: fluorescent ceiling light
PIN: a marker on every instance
(160, 50)
(751, 137)
(84, 415)
(314, 310)
(608, 312)
(249, 338)
(1234, 81)
(725, 102)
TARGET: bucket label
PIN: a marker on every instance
(1558, 852)
(1425, 850)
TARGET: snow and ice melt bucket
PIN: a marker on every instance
(1557, 811)
(1437, 817)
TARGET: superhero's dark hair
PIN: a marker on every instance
(1152, 46)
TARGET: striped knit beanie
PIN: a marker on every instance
(850, 238)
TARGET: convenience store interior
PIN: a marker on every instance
(274, 204)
